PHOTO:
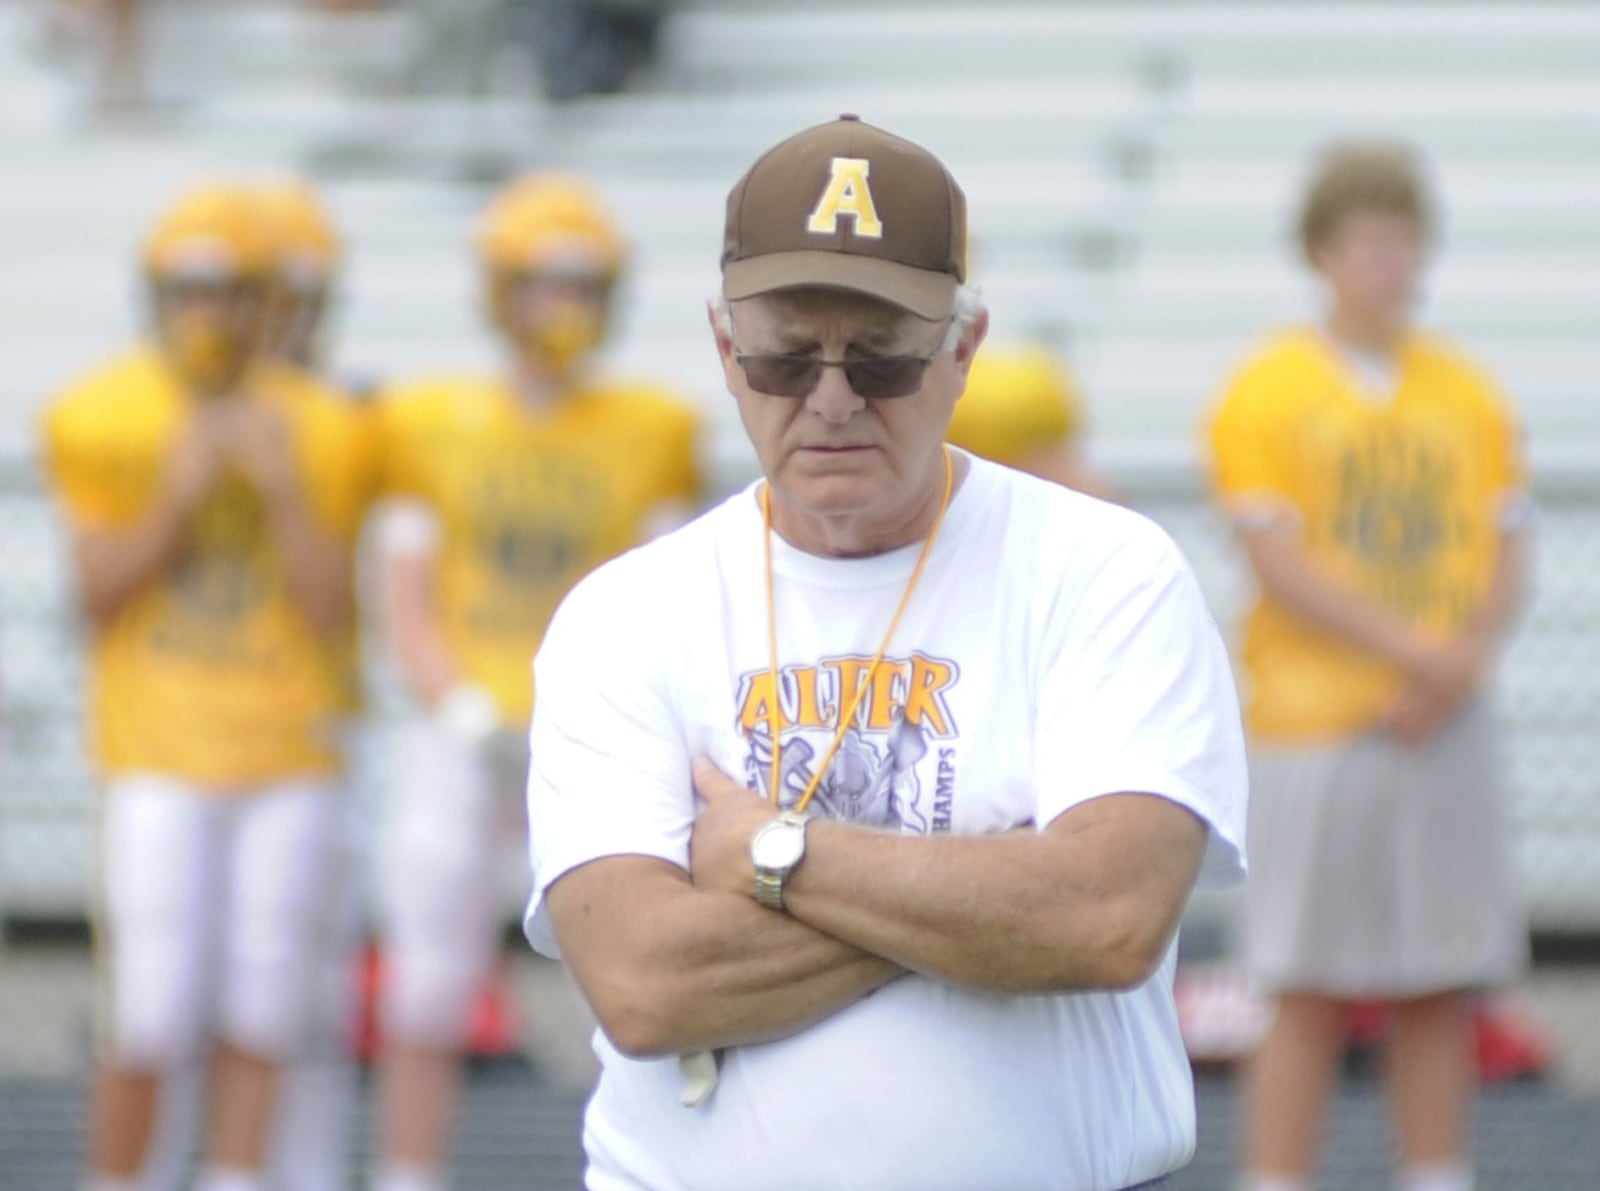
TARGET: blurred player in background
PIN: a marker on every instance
(312, 1129)
(1375, 477)
(307, 259)
(311, 1144)
(502, 492)
(1021, 408)
(213, 500)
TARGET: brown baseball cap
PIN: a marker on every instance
(848, 206)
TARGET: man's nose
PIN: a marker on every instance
(833, 400)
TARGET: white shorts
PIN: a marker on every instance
(456, 821)
(1380, 870)
(208, 913)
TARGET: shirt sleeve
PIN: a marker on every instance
(82, 472)
(1137, 696)
(350, 462)
(392, 435)
(608, 767)
(1250, 466)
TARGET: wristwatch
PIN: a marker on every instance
(776, 851)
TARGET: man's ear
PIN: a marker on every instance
(971, 339)
(719, 333)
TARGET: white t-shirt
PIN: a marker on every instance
(1057, 649)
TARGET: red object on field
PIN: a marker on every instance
(1508, 1045)
(1224, 1018)
(492, 1025)
(369, 981)
(492, 1032)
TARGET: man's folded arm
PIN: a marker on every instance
(1090, 902)
(671, 969)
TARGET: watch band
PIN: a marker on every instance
(769, 889)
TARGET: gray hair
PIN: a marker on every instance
(968, 306)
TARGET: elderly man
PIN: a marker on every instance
(864, 807)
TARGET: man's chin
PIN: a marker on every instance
(833, 494)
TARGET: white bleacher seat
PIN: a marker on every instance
(1130, 169)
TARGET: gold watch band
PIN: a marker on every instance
(769, 891)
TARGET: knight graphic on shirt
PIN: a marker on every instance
(887, 770)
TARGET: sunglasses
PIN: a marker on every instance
(781, 375)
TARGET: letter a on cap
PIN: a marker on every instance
(847, 193)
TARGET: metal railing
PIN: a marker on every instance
(1549, 687)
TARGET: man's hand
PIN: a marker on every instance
(196, 460)
(719, 848)
(1442, 681)
(1456, 667)
(1417, 714)
(260, 446)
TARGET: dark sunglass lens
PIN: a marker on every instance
(782, 376)
(886, 376)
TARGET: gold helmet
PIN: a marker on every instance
(208, 260)
(550, 230)
(212, 231)
(550, 222)
(304, 247)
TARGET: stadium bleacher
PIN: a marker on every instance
(1130, 170)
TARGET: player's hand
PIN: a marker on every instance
(1454, 668)
(1446, 678)
(196, 460)
(259, 445)
(719, 846)
(1418, 714)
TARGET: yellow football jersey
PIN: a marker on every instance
(528, 503)
(211, 674)
(1018, 399)
(1401, 497)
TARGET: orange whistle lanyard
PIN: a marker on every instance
(774, 709)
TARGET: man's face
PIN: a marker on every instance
(1372, 261)
(559, 317)
(209, 328)
(833, 451)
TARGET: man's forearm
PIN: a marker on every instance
(1298, 584)
(317, 564)
(701, 969)
(759, 976)
(115, 566)
(1090, 903)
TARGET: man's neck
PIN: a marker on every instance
(864, 534)
(535, 386)
(1367, 334)
(234, 390)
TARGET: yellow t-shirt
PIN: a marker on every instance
(1018, 399)
(1401, 497)
(528, 503)
(212, 674)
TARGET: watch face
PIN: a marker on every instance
(777, 845)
